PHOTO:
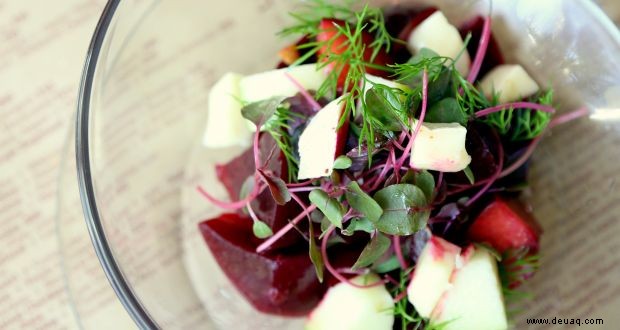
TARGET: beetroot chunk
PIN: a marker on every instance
(275, 283)
(233, 174)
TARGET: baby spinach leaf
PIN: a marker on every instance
(387, 266)
(423, 180)
(342, 163)
(469, 174)
(260, 112)
(404, 209)
(315, 255)
(385, 108)
(277, 187)
(440, 87)
(329, 206)
(361, 202)
(362, 224)
(261, 230)
(447, 110)
(377, 246)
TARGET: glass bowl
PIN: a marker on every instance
(142, 111)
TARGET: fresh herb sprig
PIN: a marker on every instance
(521, 124)
(277, 126)
(351, 57)
(403, 309)
(516, 266)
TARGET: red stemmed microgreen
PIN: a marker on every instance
(482, 50)
(232, 205)
(304, 92)
(333, 271)
(514, 105)
(398, 251)
(280, 233)
(420, 120)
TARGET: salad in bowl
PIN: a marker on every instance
(379, 179)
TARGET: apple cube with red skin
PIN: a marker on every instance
(338, 45)
(432, 274)
(458, 287)
(474, 300)
(282, 283)
(346, 307)
(322, 141)
(505, 224)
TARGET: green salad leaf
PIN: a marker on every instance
(332, 209)
(362, 202)
(360, 224)
(377, 246)
(261, 230)
(404, 209)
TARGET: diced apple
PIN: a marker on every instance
(440, 147)
(322, 141)
(510, 81)
(437, 34)
(475, 301)
(225, 125)
(261, 86)
(505, 224)
(431, 277)
(346, 307)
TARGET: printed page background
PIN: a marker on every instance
(42, 48)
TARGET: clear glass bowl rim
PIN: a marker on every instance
(85, 179)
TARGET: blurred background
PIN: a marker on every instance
(42, 51)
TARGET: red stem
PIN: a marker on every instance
(514, 105)
(523, 159)
(302, 189)
(482, 50)
(271, 240)
(300, 202)
(333, 271)
(396, 171)
(300, 184)
(399, 252)
(420, 120)
(379, 178)
(251, 212)
(398, 145)
(304, 92)
(400, 296)
(232, 205)
(256, 148)
(402, 137)
(570, 116)
(390, 279)
(439, 182)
